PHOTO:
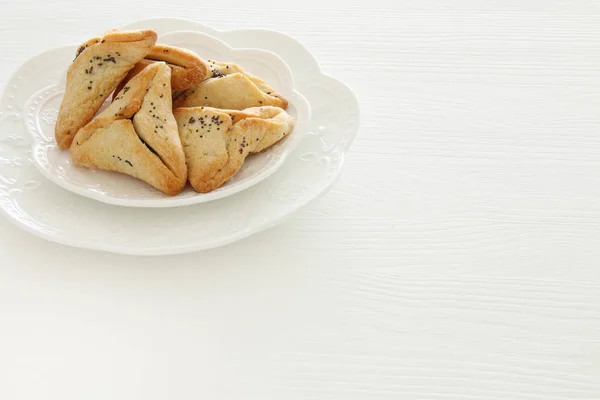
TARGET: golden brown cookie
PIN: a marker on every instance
(230, 87)
(187, 68)
(216, 142)
(99, 65)
(137, 134)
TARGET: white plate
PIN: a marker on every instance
(49, 211)
(119, 189)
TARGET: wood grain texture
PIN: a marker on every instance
(456, 258)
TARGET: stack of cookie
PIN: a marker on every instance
(173, 116)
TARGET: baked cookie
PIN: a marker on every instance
(137, 134)
(229, 86)
(216, 142)
(187, 68)
(99, 65)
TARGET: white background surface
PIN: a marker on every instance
(456, 258)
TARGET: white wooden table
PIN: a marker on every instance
(458, 257)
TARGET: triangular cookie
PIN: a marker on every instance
(231, 87)
(216, 142)
(187, 68)
(137, 134)
(99, 66)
